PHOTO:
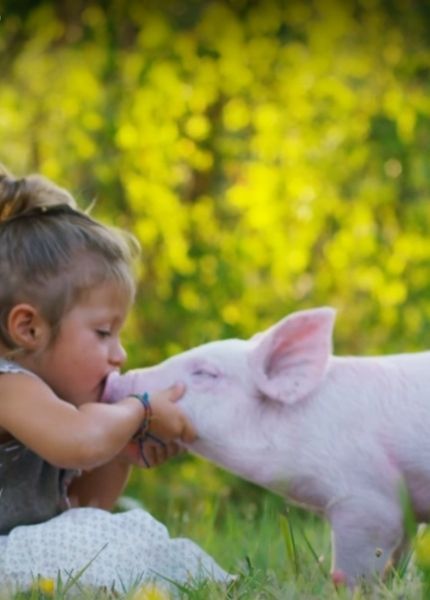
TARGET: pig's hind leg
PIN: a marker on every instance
(365, 533)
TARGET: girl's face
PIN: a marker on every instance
(87, 347)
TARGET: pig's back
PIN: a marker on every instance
(384, 400)
(409, 427)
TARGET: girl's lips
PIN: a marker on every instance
(106, 384)
(100, 389)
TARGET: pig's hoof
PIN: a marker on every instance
(338, 578)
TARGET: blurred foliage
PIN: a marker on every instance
(270, 156)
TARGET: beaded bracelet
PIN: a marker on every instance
(144, 400)
(143, 434)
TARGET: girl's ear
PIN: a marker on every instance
(27, 328)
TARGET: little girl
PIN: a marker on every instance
(65, 290)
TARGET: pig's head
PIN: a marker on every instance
(232, 384)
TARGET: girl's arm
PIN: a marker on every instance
(81, 437)
(102, 486)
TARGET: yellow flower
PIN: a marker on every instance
(422, 549)
(46, 585)
(151, 592)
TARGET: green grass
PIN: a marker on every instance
(276, 555)
(281, 554)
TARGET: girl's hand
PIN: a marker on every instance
(168, 422)
(150, 454)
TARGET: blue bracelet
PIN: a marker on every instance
(144, 400)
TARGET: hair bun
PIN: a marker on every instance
(12, 196)
(21, 195)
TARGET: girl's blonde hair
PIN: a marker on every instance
(51, 253)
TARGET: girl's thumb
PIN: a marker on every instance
(178, 390)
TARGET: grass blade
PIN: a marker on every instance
(290, 543)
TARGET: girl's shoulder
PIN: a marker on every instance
(8, 366)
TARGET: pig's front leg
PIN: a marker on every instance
(365, 533)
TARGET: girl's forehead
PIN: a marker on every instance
(110, 295)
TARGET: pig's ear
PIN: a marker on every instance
(289, 360)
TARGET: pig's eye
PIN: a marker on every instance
(205, 373)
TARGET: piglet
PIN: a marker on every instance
(338, 435)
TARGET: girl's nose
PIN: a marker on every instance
(118, 355)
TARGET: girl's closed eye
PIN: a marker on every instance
(103, 333)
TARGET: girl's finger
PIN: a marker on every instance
(189, 434)
(177, 391)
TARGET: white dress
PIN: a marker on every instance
(113, 550)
